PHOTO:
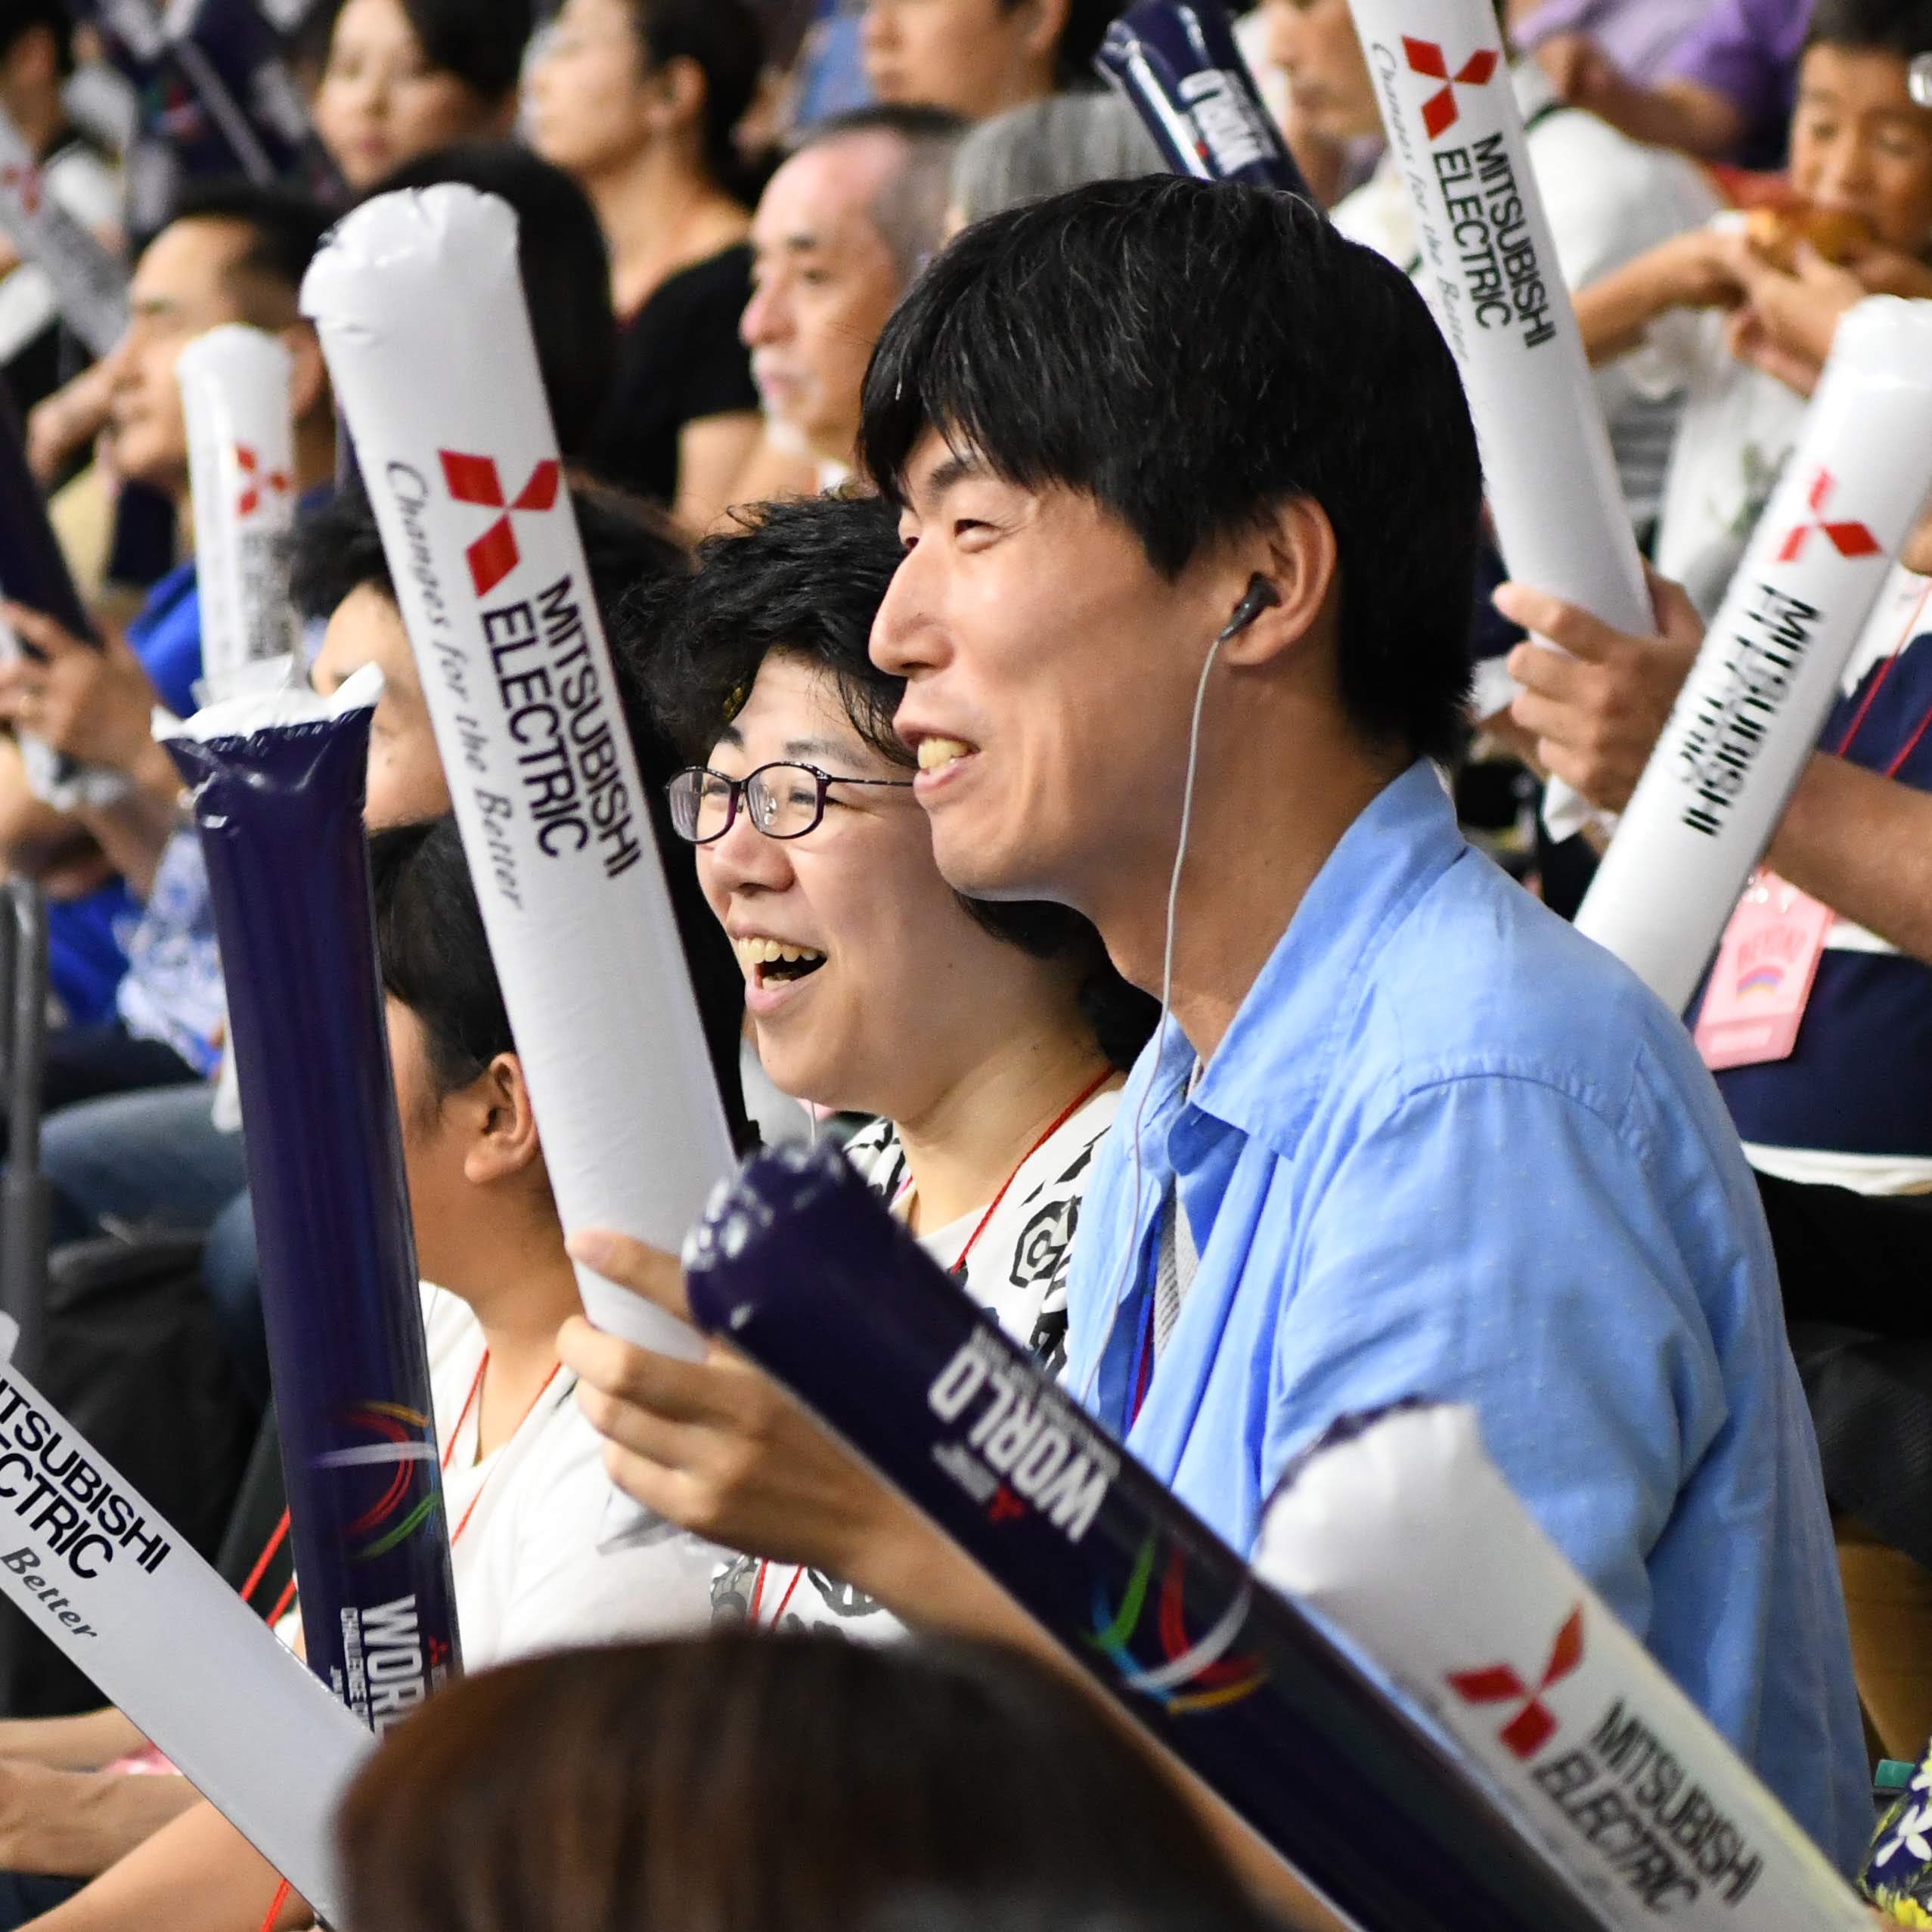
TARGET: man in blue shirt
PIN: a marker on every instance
(1191, 499)
(232, 254)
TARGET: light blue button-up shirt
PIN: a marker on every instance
(1450, 1148)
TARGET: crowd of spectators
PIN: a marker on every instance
(1215, 1023)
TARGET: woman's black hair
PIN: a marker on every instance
(805, 577)
(563, 263)
(480, 42)
(726, 41)
(626, 546)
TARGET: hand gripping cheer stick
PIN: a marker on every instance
(276, 783)
(1751, 710)
(802, 1268)
(456, 446)
(110, 1582)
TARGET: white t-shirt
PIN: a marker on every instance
(529, 1573)
(1016, 1271)
(1609, 200)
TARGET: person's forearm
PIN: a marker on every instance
(199, 1871)
(1861, 844)
(84, 1743)
(926, 1580)
(76, 1824)
(1681, 114)
(1613, 313)
(134, 831)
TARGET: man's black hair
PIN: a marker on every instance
(479, 42)
(804, 578)
(626, 546)
(432, 952)
(1903, 27)
(724, 39)
(561, 257)
(18, 18)
(1191, 355)
(285, 228)
(1079, 42)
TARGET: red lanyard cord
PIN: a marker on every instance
(262, 1561)
(463, 1415)
(1878, 684)
(274, 1910)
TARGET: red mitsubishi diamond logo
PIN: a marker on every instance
(1426, 58)
(25, 183)
(254, 481)
(1848, 539)
(1533, 1726)
(474, 480)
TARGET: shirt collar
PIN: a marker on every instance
(1274, 1062)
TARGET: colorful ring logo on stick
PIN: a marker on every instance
(405, 1441)
(1196, 1675)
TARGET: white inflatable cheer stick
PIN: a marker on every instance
(235, 385)
(1399, 1534)
(422, 318)
(110, 1583)
(1489, 270)
(1751, 710)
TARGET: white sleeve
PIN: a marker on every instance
(87, 188)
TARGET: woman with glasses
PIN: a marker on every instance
(987, 1040)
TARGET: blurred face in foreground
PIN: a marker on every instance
(1315, 44)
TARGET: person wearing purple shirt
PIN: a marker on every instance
(1638, 36)
(1725, 92)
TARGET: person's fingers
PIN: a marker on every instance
(1536, 667)
(1567, 625)
(623, 1376)
(1677, 619)
(648, 1272)
(1547, 720)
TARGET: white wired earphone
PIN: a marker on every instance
(1260, 595)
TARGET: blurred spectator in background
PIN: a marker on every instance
(36, 59)
(638, 101)
(742, 1784)
(841, 229)
(1638, 37)
(235, 254)
(402, 77)
(1725, 92)
(1045, 147)
(978, 56)
(1861, 154)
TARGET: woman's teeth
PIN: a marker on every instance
(935, 754)
(757, 952)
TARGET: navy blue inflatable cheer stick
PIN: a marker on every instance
(801, 1267)
(277, 786)
(1176, 62)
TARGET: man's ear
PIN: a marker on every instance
(1043, 24)
(309, 374)
(504, 1142)
(1295, 556)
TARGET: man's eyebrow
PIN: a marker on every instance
(961, 467)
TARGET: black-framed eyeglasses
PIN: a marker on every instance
(785, 800)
